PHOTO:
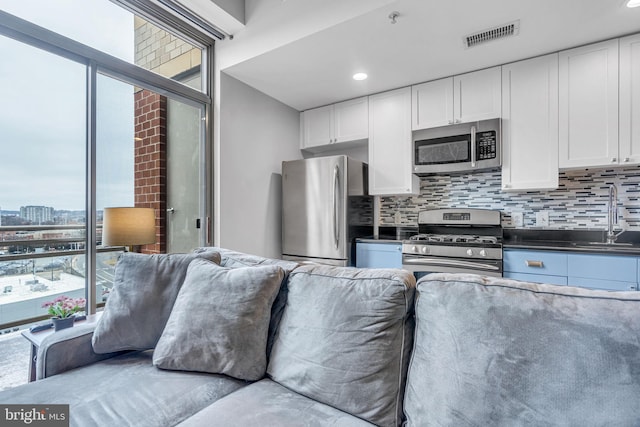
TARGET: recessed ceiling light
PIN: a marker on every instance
(360, 76)
(633, 3)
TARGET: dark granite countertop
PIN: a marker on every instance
(391, 234)
(587, 241)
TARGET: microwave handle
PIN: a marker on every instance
(473, 146)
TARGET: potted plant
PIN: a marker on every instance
(62, 310)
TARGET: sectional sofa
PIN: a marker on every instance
(221, 338)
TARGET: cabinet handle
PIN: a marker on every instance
(458, 121)
(626, 159)
(613, 160)
(537, 264)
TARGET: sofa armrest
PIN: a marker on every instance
(67, 349)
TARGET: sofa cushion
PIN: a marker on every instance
(220, 321)
(492, 351)
(144, 290)
(126, 390)
(234, 259)
(343, 339)
(267, 403)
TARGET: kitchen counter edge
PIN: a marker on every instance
(573, 247)
(378, 240)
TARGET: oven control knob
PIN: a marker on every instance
(483, 252)
(469, 252)
(414, 249)
(424, 249)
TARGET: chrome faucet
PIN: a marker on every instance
(612, 215)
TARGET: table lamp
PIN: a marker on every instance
(128, 227)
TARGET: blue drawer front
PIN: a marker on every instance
(378, 255)
(537, 278)
(535, 262)
(607, 267)
(607, 285)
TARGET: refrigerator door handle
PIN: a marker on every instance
(336, 237)
(473, 146)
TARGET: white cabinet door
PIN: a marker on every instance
(317, 127)
(589, 106)
(351, 120)
(432, 104)
(629, 145)
(464, 98)
(530, 124)
(477, 95)
(390, 160)
(342, 122)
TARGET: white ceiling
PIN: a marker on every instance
(304, 52)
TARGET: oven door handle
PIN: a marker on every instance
(425, 261)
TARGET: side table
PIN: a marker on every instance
(36, 338)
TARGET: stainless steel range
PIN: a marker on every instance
(455, 241)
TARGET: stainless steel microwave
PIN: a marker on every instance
(457, 148)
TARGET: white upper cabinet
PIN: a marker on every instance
(338, 123)
(432, 104)
(458, 99)
(317, 127)
(589, 106)
(629, 145)
(390, 155)
(351, 120)
(530, 124)
(477, 95)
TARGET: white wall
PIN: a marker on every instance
(256, 133)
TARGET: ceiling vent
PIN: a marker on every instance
(507, 30)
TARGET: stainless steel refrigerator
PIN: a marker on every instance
(325, 207)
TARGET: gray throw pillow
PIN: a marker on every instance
(496, 352)
(234, 259)
(220, 321)
(144, 290)
(344, 338)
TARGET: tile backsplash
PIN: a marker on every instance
(580, 202)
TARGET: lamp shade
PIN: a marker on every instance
(128, 226)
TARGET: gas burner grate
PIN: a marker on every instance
(453, 238)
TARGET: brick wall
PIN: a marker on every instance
(169, 56)
(151, 162)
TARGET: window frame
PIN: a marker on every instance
(99, 62)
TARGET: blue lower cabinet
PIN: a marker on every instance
(608, 272)
(595, 271)
(535, 266)
(378, 255)
(536, 278)
(543, 263)
(619, 268)
(607, 285)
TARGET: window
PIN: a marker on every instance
(81, 131)
(111, 29)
